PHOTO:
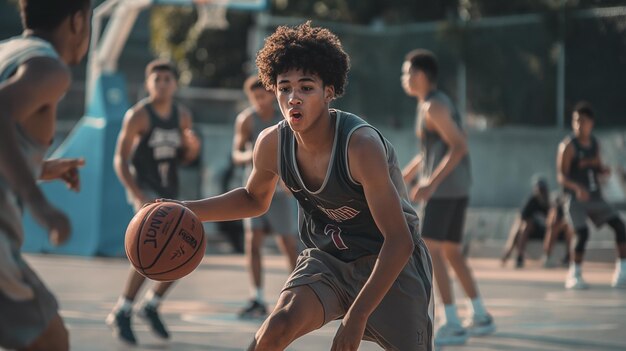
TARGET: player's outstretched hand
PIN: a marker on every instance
(65, 169)
(349, 335)
(54, 221)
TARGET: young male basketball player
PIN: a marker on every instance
(279, 218)
(149, 148)
(34, 76)
(579, 166)
(365, 262)
(538, 219)
(444, 187)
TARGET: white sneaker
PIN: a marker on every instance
(575, 282)
(619, 279)
(480, 325)
(451, 334)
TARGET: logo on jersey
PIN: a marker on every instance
(335, 234)
(340, 214)
(165, 143)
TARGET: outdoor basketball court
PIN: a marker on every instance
(532, 309)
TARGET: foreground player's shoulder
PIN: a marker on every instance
(47, 73)
(366, 153)
(266, 149)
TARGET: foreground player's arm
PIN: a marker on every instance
(241, 154)
(135, 122)
(36, 87)
(368, 166)
(252, 200)
(563, 161)
(65, 169)
(438, 117)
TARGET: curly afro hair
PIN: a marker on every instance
(314, 50)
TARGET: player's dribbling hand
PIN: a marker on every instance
(65, 169)
(54, 221)
(349, 335)
(182, 203)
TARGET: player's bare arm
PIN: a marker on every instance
(438, 119)
(241, 153)
(563, 162)
(368, 166)
(135, 123)
(410, 171)
(252, 200)
(191, 142)
(44, 81)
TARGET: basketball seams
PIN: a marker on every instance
(188, 259)
(156, 259)
(143, 221)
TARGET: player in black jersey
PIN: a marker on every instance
(538, 219)
(579, 167)
(365, 262)
(156, 135)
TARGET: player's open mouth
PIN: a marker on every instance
(295, 114)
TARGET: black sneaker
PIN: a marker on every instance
(254, 309)
(119, 321)
(151, 315)
(520, 262)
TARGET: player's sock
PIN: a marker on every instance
(258, 296)
(621, 264)
(451, 314)
(575, 269)
(151, 299)
(123, 304)
(478, 307)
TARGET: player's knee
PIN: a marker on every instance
(620, 230)
(278, 331)
(582, 235)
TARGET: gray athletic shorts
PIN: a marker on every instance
(443, 219)
(26, 305)
(404, 318)
(596, 208)
(281, 217)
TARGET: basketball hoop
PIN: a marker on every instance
(212, 14)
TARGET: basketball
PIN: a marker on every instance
(165, 241)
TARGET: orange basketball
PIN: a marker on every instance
(165, 241)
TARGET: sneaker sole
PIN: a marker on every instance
(451, 341)
(482, 331)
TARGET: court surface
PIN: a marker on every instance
(532, 309)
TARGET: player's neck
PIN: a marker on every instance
(423, 94)
(163, 107)
(55, 39)
(320, 137)
(584, 139)
(266, 114)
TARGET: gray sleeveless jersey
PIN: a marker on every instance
(13, 53)
(434, 148)
(336, 218)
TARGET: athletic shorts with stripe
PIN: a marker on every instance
(403, 321)
(26, 305)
